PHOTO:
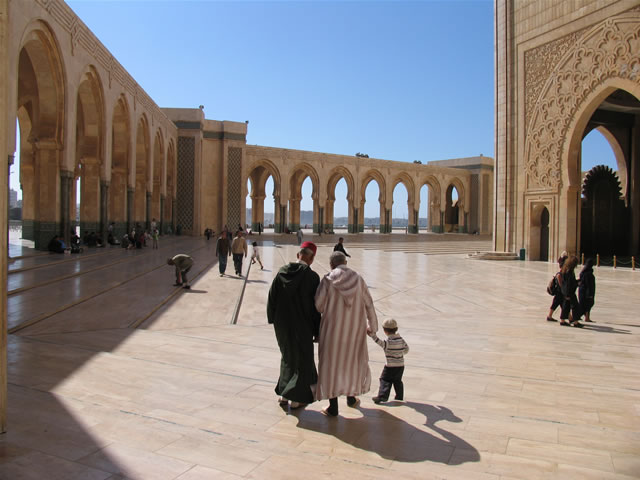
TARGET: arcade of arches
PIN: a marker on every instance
(561, 73)
(86, 128)
(214, 164)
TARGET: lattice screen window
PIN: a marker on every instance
(234, 186)
(186, 168)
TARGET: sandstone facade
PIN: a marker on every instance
(562, 69)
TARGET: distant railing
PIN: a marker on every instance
(614, 261)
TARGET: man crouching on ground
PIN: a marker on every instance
(183, 264)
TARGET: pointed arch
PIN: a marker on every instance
(89, 158)
(434, 199)
(169, 205)
(374, 175)
(120, 161)
(41, 91)
(298, 175)
(370, 175)
(141, 169)
(258, 173)
(407, 181)
(157, 179)
(335, 175)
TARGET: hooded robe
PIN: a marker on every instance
(347, 309)
(291, 310)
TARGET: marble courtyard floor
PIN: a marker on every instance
(115, 374)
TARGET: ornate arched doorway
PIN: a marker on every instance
(544, 235)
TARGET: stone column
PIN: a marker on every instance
(161, 224)
(462, 218)
(147, 220)
(385, 215)
(173, 215)
(360, 216)
(118, 200)
(316, 216)
(294, 214)
(412, 218)
(131, 196)
(90, 195)
(283, 217)
(104, 209)
(47, 177)
(257, 211)
(327, 221)
(276, 215)
(634, 194)
(28, 186)
(354, 220)
(66, 181)
(413, 228)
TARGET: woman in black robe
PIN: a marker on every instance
(568, 285)
(587, 289)
(557, 297)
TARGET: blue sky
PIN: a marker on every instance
(396, 80)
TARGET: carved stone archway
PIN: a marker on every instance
(41, 116)
(157, 178)
(603, 59)
(90, 133)
(298, 175)
(433, 203)
(120, 158)
(374, 174)
(258, 173)
(140, 201)
(407, 181)
(334, 177)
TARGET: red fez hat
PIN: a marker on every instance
(310, 245)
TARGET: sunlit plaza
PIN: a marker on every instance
(128, 377)
(482, 168)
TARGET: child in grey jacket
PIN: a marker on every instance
(395, 348)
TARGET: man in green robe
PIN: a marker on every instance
(291, 309)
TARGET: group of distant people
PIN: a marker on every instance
(563, 287)
(138, 237)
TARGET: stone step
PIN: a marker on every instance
(494, 256)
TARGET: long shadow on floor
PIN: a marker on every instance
(393, 438)
(603, 329)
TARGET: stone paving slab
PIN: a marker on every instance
(45, 300)
(493, 391)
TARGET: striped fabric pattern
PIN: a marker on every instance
(395, 348)
(347, 310)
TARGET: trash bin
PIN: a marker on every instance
(522, 254)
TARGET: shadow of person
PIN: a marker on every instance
(191, 290)
(604, 329)
(392, 437)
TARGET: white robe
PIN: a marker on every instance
(347, 309)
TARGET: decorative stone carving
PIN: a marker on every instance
(538, 62)
(81, 36)
(608, 50)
